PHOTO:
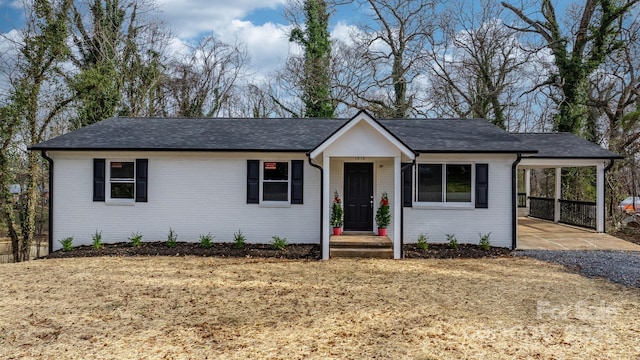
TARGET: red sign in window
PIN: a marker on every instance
(270, 166)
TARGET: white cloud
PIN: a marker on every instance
(191, 18)
(267, 44)
(344, 32)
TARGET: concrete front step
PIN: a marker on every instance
(379, 253)
(373, 242)
(361, 245)
(360, 241)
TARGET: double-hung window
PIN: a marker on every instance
(275, 181)
(122, 180)
(444, 183)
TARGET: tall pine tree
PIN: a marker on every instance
(314, 38)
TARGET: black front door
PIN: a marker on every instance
(358, 196)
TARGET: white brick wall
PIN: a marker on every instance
(466, 224)
(193, 193)
(197, 193)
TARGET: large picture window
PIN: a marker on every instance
(122, 179)
(444, 183)
(275, 181)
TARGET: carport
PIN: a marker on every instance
(557, 151)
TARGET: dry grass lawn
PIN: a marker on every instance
(197, 308)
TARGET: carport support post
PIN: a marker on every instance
(527, 187)
(556, 197)
(600, 197)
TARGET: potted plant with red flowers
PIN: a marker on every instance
(383, 215)
(337, 214)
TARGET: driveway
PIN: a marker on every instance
(534, 234)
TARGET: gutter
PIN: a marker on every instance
(321, 201)
(50, 160)
(604, 203)
(412, 164)
(514, 202)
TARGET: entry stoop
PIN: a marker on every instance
(360, 246)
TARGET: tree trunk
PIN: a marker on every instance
(7, 211)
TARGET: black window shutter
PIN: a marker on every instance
(407, 182)
(482, 186)
(98, 179)
(297, 181)
(253, 181)
(142, 169)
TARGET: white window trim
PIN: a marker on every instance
(108, 199)
(444, 205)
(271, 203)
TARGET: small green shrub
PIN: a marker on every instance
(239, 240)
(67, 243)
(172, 238)
(206, 241)
(484, 241)
(423, 241)
(97, 240)
(279, 243)
(452, 241)
(135, 239)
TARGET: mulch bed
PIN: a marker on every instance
(224, 250)
(443, 251)
(292, 251)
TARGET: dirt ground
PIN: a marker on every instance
(203, 307)
(630, 234)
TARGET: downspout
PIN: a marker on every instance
(50, 160)
(413, 163)
(514, 202)
(604, 203)
(321, 199)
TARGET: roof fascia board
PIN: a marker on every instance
(559, 162)
(302, 151)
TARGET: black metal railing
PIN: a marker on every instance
(579, 213)
(522, 200)
(542, 208)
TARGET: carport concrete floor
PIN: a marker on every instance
(534, 234)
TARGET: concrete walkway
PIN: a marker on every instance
(534, 234)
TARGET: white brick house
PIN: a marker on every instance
(277, 177)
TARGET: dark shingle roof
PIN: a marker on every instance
(197, 134)
(302, 135)
(564, 145)
(454, 135)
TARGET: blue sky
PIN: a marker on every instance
(258, 24)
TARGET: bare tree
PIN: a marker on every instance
(478, 66)
(578, 50)
(390, 51)
(614, 104)
(37, 98)
(202, 81)
(118, 52)
(614, 94)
